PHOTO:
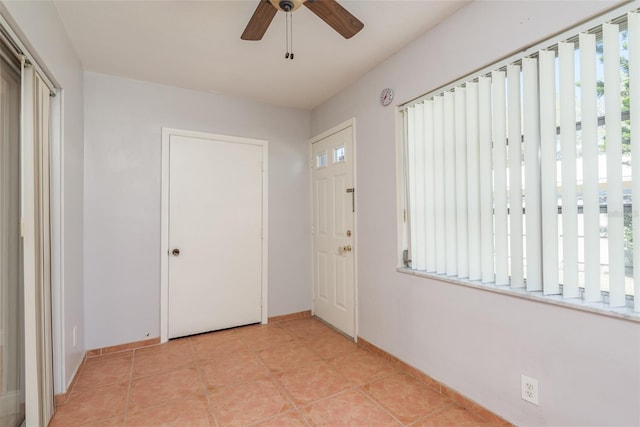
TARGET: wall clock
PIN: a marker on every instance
(386, 96)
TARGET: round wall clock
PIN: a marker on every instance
(386, 96)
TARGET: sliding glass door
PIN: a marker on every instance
(12, 392)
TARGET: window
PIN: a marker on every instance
(321, 160)
(338, 154)
(521, 176)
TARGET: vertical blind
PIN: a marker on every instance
(36, 252)
(523, 176)
(11, 284)
(29, 103)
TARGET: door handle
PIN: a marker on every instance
(175, 252)
(344, 249)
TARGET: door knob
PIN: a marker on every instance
(175, 252)
(344, 249)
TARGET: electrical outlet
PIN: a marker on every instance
(75, 335)
(529, 389)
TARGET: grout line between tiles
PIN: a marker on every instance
(433, 414)
(377, 404)
(126, 403)
(203, 382)
(331, 396)
(273, 375)
(281, 389)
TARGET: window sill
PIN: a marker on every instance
(625, 313)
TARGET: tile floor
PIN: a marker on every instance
(293, 373)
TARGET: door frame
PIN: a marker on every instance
(351, 123)
(164, 219)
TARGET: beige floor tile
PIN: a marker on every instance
(362, 366)
(163, 388)
(311, 382)
(191, 412)
(454, 416)
(177, 346)
(351, 408)
(406, 398)
(306, 328)
(290, 419)
(247, 403)
(210, 346)
(126, 354)
(328, 345)
(217, 336)
(260, 337)
(294, 373)
(162, 358)
(92, 405)
(233, 369)
(109, 371)
(287, 356)
(111, 422)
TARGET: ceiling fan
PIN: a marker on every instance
(328, 10)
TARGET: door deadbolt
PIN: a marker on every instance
(175, 252)
(348, 233)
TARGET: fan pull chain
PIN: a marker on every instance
(289, 34)
(286, 34)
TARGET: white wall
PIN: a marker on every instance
(477, 342)
(39, 26)
(123, 126)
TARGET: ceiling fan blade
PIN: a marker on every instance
(259, 21)
(336, 16)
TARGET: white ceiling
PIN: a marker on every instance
(197, 45)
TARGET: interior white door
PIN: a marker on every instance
(333, 238)
(215, 234)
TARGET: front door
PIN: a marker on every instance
(215, 246)
(333, 229)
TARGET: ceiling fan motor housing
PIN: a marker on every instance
(286, 5)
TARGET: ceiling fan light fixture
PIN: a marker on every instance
(287, 5)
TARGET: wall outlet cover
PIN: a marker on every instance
(529, 390)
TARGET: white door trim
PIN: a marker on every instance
(164, 219)
(57, 243)
(344, 125)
